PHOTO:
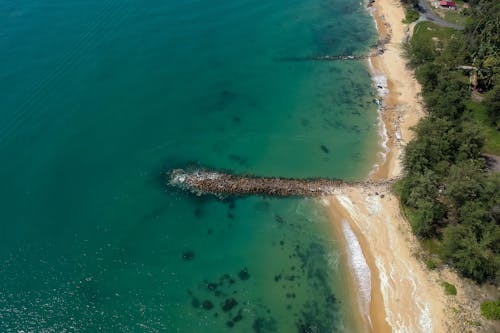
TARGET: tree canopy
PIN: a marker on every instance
(446, 190)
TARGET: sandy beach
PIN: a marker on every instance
(405, 295)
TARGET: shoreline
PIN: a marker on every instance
(402, 298)
(406, 296)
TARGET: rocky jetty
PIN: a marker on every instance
(377, 49)
(204, 181)
(326, 58)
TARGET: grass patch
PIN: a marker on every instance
(473, 323)
(492, 135)
(491, 310)
(411, 16)
(431, 264)
(449, 289)
(455, 16)
(428, 30)
(432, 246)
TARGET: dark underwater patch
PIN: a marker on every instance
(243, 274)
(188, 255)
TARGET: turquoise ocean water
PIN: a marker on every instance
(100, 98)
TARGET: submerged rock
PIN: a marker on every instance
(207, 305)
(229, 304)
(264, 325)
(188, 255)
(243, 274)
(238, 317)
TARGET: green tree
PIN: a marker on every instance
(473, 258)
(465, 182)
(492, 103)
(427, 217)
(470, 141)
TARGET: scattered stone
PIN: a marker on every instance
(325, 149)
(279, 219)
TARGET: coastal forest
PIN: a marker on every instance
(448, 192)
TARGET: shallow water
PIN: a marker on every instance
(100, 98)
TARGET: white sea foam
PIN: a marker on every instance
(325, 202)
(360, 268)
(388, 276)
(384, 288)
(425, 320)
(373, 205)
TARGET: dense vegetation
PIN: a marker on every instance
(447, 191)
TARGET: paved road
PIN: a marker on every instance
(426, 13)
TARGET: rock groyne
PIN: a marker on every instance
(202, 182)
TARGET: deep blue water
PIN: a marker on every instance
(100, 98)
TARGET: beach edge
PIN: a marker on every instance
(402, 295)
